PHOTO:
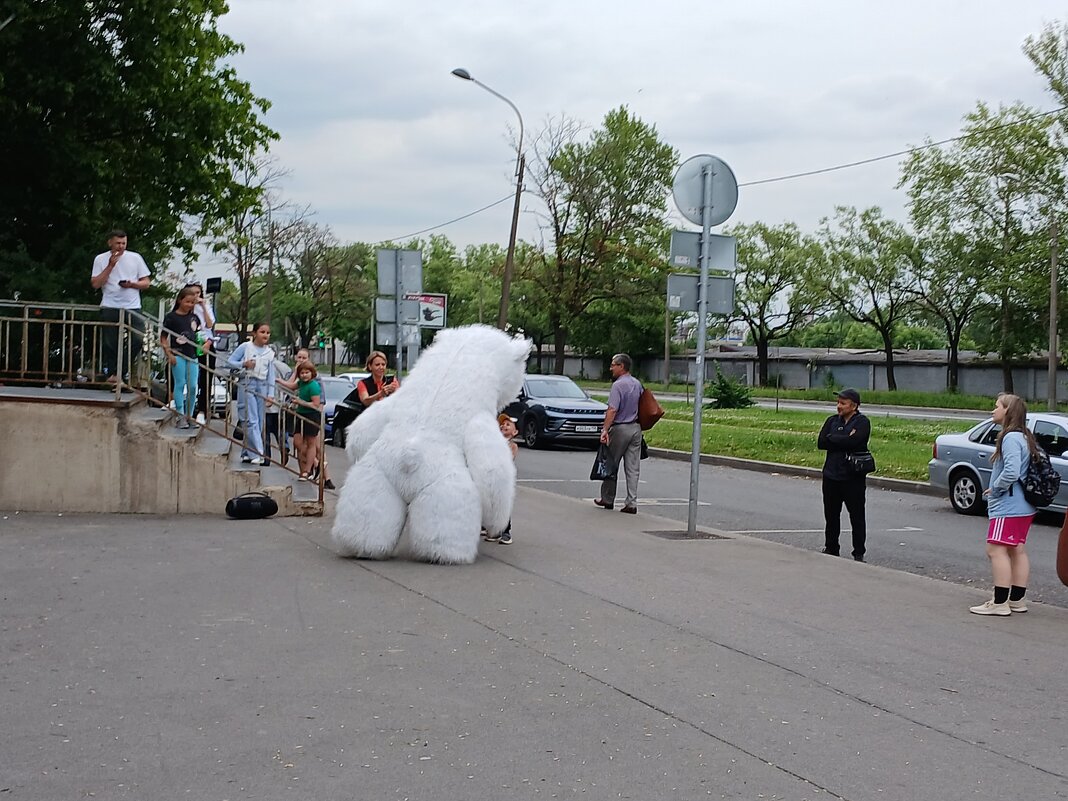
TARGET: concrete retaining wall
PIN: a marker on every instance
(62, 457)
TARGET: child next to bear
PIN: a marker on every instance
(509, 432)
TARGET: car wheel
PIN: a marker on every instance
(965, 493)
(531, 434)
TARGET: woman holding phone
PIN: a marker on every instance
(377, 385)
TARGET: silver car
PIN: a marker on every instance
(960, 463)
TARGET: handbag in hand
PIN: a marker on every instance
(602, 464)
(861, 462)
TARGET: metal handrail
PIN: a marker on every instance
(59, 344)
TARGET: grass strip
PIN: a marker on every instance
(902, 447)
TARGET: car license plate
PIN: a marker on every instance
(586, 429)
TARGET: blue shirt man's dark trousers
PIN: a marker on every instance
(851, 493)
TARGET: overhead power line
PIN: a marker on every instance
(792, 176)
(900, 153)
(450, 222)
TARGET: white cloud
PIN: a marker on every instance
(381, 140)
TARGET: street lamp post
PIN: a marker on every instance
(509, 262)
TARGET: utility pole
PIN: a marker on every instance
(1054, 349)
(269, 301)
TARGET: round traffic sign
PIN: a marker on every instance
(689, 190)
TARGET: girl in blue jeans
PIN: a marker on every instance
(256, 359)
(179, 340)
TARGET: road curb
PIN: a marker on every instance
(895, 484)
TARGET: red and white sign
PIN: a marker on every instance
(432, 309)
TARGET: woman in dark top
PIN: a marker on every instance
(375, 387)
(180, 340)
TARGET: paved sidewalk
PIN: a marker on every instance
(202, 658)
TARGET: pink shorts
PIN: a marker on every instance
(1010, 531)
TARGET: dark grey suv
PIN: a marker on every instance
(553, 408)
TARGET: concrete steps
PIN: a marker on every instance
(294, 498)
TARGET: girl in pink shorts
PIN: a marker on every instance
(1010, 513)
(1009, 531)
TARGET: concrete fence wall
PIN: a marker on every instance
(1030, 381)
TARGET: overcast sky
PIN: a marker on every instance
(382, 141)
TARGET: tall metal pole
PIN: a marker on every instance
(1054, 350)
(667, 347)
(509, 261)
(269, 301)
(398, 296)
(702, 317)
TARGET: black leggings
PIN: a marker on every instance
(204, 397)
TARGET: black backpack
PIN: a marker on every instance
(1041, 481)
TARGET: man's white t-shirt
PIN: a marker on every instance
(130, 267)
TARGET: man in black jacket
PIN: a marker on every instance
(844, 433)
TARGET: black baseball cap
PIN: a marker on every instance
(849, 394)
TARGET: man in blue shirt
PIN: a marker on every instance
(622, 434)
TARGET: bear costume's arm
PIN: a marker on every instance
(366, 429)
(492, 469)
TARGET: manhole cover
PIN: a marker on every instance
(682, 534)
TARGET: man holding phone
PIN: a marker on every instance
(121, 275)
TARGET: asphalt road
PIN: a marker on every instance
(915, 533)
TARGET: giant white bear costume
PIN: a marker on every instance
(432, 454)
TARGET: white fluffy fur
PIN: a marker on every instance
(432, 455)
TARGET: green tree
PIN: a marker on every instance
(528, 313)
(115, 114)
(992, 190)
(605, 201)
(324, 286)
(870, 277)
(477, 285)
(1048, 52)
(256, 235)
(949, 289)
(776, 290)
(471, 279)
(350, 293)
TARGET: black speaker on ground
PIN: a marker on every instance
(251, 506)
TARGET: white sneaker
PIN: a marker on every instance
(991, 608)
(200, 418)
(258, 461)
(1018, 606)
